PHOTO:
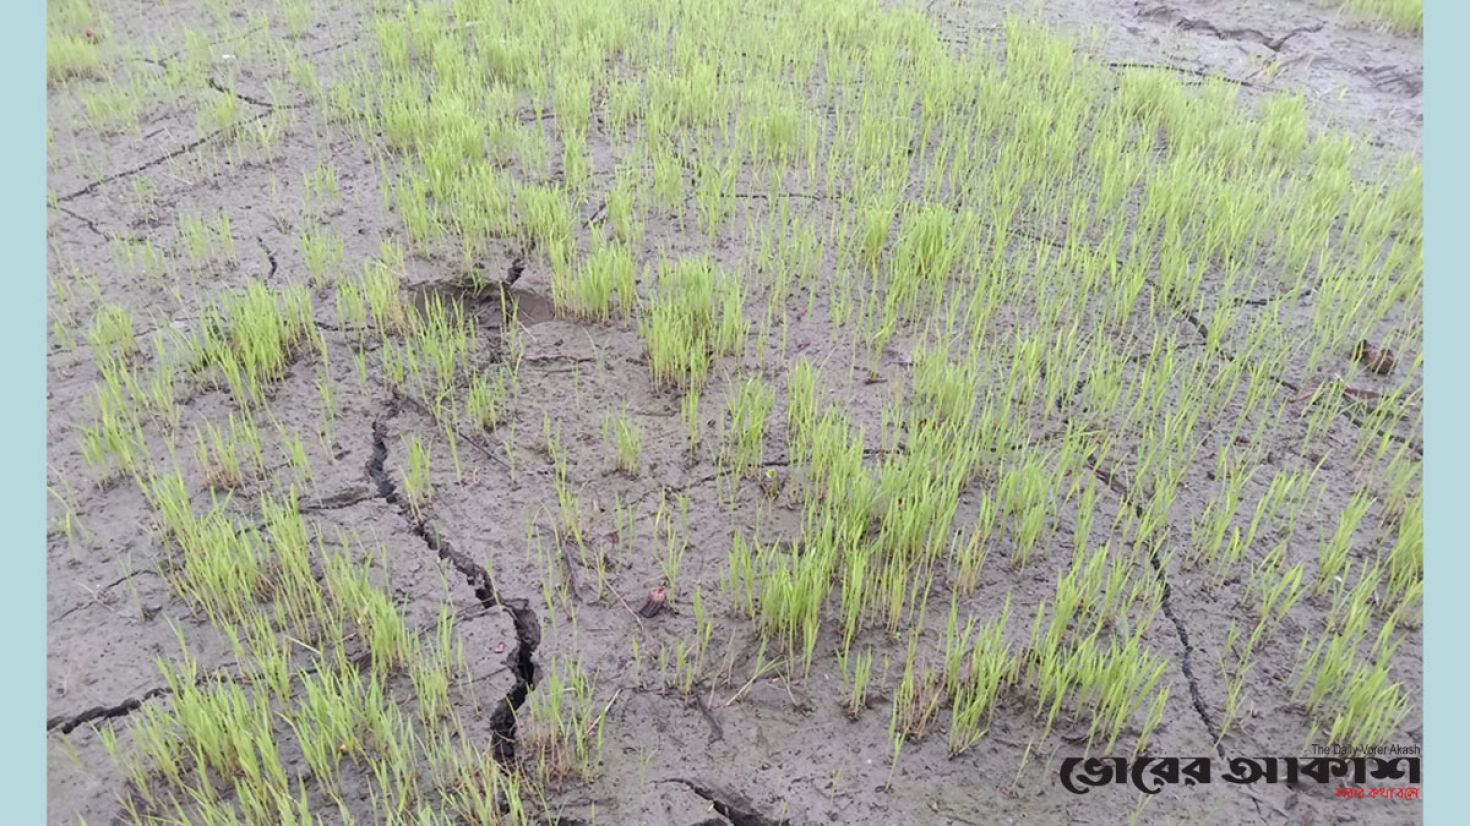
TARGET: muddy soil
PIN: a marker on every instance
(774, 752)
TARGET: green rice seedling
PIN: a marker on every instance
(297, 16)
(877, 225)
(862, 675)
(229, 458)
(545, 216)
(1334, 551)
(740, 574)
(1405, 562)
(917, 699)
(439, 341)
(621, 213)
(689, 414)
(321, 184)
(677, 539)
(749, 408)
(71, 56)
(989, 669)
(1405, 16)
(377, 622)
(801, 409)
(576, 163)
(417, 487)
(115, 443)
(679, 326)
(297, 458)
(627, 441)
(206, 242)
(1354, 694)
(111, 336)
(113, 108)
(431, 671)
(486, 400)
(605, 281)
(565, 731)
(945, 390)
(249, 338)
(323, 252)
(555, 450)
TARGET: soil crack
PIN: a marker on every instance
(182, 150)
(269, 256)
(68, 723)
(1167, 603)
(527, 625)
(731, 805)
(253, 101)
(1275, 44)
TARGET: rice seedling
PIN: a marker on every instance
(417, 487)
(626, 439)
(71, 56)
(749, 409)
(111, 336)
(605, 282)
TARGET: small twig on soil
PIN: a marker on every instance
(631, 612)
(605, 709)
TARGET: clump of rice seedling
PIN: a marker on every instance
(207, 242)
(323, 252)
(486, 400)
(861, 676)
(71, 55)
(679, 326)
(250, 337)
(417, 488)
(749, 409)
(564, 736)
(111, 336)
(546, 220)
(1406, 16)
(605, 282)
(230, 457)
(1331, 565)
(627, 440)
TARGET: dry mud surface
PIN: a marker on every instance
(740, 748)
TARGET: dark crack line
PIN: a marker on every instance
(517, 267)
(1203, 331)
(253, 101)
(1188, 70)
(97, 594)
(716, 731)
(337, 501)
(67, 724)
(527, 626)
(1167, 603)
(269, 256)
(84, 220)
(1263, 302)
(732, 806)
(1275, 44)
(167, 156)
